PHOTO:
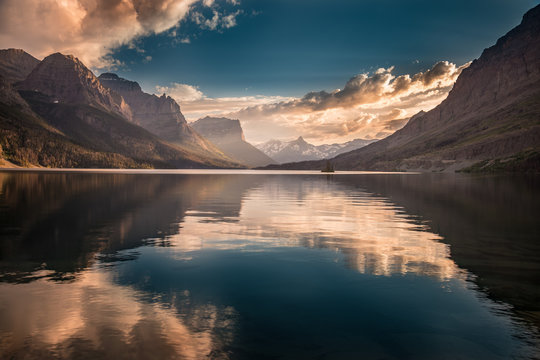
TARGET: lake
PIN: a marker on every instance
(275, 265)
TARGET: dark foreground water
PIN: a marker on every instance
(228, 266)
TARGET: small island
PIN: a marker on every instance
(329, 168)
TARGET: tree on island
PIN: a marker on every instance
(329, 167)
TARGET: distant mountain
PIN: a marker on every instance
(490, 121)
(161, 116)
(228, 135)
(300, 150)
(16, 64)
(62, 116)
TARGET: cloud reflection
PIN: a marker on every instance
(375, 236)
(93, 317)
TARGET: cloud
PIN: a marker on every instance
(378, 87)
(91, 29)
(195, 104)
(181, 92)
(218, 21)
(80, 312)
(369, 106)
(194, 110)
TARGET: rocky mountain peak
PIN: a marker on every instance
(504, 71)
(119, 84)
(16, 64)
(109, 76)
(219, 128)
(301, 150)
(65, 79)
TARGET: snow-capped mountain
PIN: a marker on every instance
(301, 150)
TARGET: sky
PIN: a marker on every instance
(329, 71)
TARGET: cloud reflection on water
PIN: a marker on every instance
(93, 317)
(375, 236)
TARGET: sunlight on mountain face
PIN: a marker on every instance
(375, 236)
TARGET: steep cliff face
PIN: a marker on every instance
(490, 119)
(16, 64)
(65, 79)
(222, 129)
(160, 115)
(228, 135)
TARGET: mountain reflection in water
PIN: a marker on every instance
(242, 266)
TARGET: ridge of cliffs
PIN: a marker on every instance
(161, 116)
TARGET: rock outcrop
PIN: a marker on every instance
(228, 136)
(16, 64)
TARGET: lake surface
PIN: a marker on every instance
(150, 265)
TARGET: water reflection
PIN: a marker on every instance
(236, 266)
(61, 221)
(93, 318)
(490, 222)
(376, 236)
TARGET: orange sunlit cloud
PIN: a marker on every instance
(88, 29)
(369, 106)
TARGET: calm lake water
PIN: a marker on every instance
(242, 266)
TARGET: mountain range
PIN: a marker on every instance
(301, 150)
(61, 115)
(490, 120)
(228, 136)
(57, 113)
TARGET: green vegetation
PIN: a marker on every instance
(329, 168)
(26, 140)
